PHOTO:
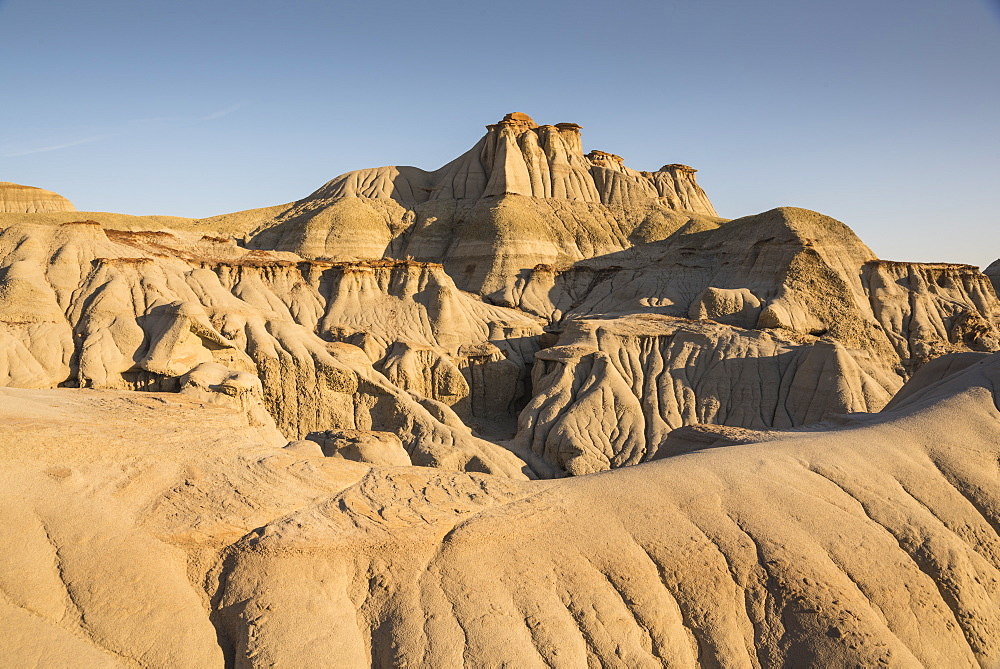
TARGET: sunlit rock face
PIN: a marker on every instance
(580, 347)
(187, 536)
(524, 195)
(534, 408)
(993, 272)
(18, 199)
(519, 157)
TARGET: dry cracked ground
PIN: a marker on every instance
(534, 408)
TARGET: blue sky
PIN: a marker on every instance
(882, 113)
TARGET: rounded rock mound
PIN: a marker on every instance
(18, 199)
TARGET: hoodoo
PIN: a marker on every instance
(524, 195)
(519, 157)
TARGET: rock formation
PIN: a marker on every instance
(993, 271)
(523, 195)
(170, 532)
(82, 306)
(865, 545)
(18, 199)
(774, 320)
(519, 157)
(770, 321)
(764, 445)
(612, 393)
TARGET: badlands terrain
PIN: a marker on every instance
(533, 408)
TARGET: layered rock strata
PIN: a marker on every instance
(524, 194)
(519, 157)
(767, 446)
(350, 308)
(18, 199)
(106, 309)
(771, 321)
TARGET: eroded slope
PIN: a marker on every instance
(86, 307)
(396, 301)
(873, 542)
(524, 194)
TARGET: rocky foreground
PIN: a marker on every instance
(154, 529)
(365, 419)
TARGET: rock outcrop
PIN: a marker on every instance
(863, 546)
(18, 199)
(519, 157)
(761, 445)
(82, 306)
(611, 394)
(993, 272)
(376, 448)
(771, 321)
(523, 195)
(776, 320)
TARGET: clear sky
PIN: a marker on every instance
(882, 113)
